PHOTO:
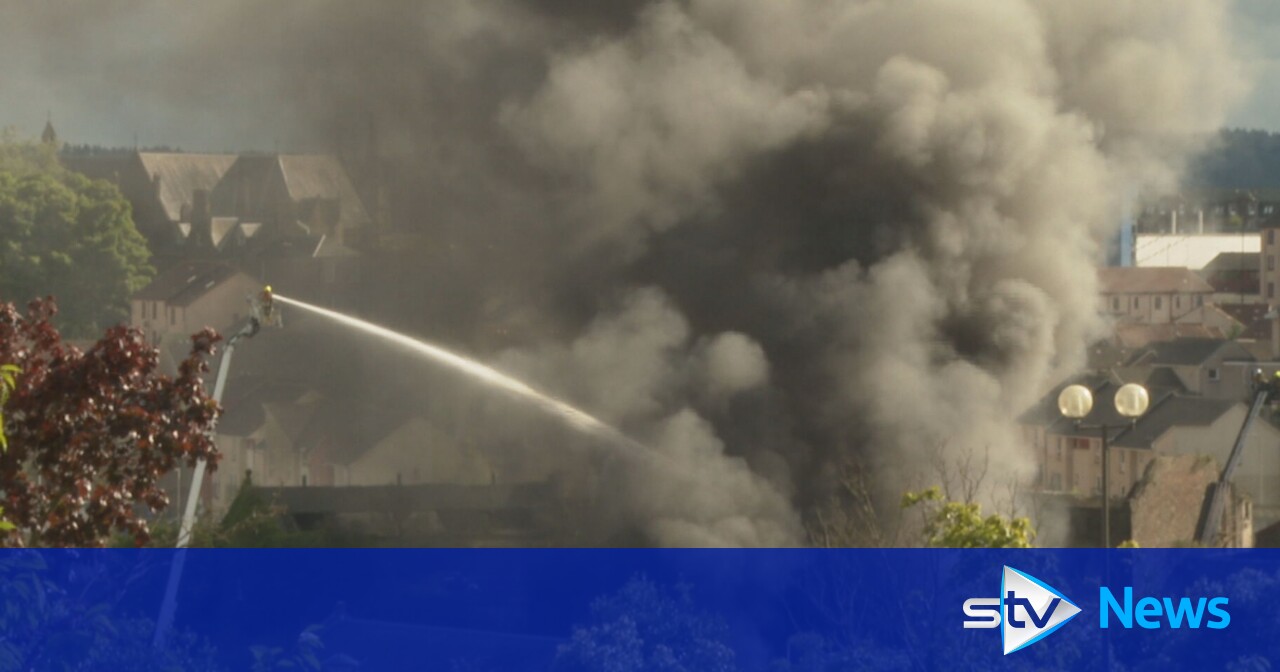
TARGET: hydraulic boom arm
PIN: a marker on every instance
(1217, 499)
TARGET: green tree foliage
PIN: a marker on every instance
(69, 620)
(8, 381)
(65, 235)
(962, 525)
(645, 627)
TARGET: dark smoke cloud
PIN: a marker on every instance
(759, 236)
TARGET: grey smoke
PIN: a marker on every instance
(762, 237)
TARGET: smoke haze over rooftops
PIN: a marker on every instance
(761, 237)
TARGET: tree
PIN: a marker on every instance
(8, 381)
(91, 433)
(961, 525)
(67, 616)
(642, 627)
(69, 236)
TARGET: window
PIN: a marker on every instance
(1271, 233)
(1267, 210)
(1214, 374)
(1271, 290)
(1097, 483)
(1115, 304)
(1156, 302)
(1123, 463)
(1199, 300)
(1055, 482)
(1271, 262)
(1135, 302)
(1177, 301)
(173, 316)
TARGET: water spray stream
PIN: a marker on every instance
(575, 417)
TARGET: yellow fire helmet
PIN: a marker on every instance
(266, 290)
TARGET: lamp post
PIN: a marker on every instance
(1131, 401)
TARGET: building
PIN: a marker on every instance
(1152, 295)
(417, 452)
(1199, 366)
(1209, 211)
(1070, 453)
(1167, 505)
(1234, 273)
(1191, 250)
(1269, 274)
(190, 296)
(202, 205)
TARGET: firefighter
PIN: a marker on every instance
(266, 301)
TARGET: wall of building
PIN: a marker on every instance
(222, 307)
(418, 453)
(1074, 464)
(1258, 475)
(1153, 308)
(1269, 274)
(1190, 250)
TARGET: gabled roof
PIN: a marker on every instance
(1168, 409)
(1174, 411)
(1189, 352)
(1139, 335)
(243, 412)
(344, 431)
(185, 282)
(1233, 262)
(1254, 318)
(1151, 280)
(220, 227)
(313, 176)
(181, 175)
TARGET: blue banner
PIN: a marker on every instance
(621, 610)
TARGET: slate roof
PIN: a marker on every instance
(1169, 409)
(1233, 262)
(1138, 335)
(253, 186)
(245, 397)
(185, 282)
(1254, 318)
(310, 176)
(1174, 411)
(1151, 280)
(182, 174)
(1189, 352)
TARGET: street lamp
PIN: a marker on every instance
(1131, 401)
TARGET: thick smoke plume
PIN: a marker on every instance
(763, 237)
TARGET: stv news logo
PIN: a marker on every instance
(1027, 611)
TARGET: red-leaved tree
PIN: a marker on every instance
(91, 433)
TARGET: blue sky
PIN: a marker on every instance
(86, 111)
(1257, 24)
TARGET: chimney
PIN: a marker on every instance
(1173, 221)
(201, 211)
(1201, 211)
